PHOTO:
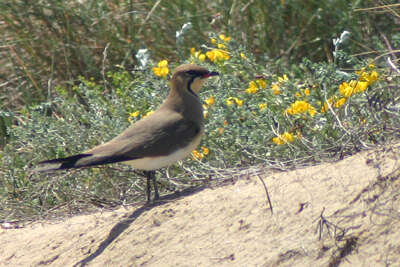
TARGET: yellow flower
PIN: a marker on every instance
(307, 92)
(275, 88)
(284, 138)
(369, 77)
(202, 57)
(197, 155)
(277, 140)
(148, 113)
(360, 71)
(213, 41)
(288, 137)
(242, 55)
(373, 76)
(221, 46)
(325, 107)
(361, 87)
(340, 102)
(162, 69)
(224, 38)
(347, 89)
(197, 54)
(163, 63)
(301, 107)
(239, 102)
(283, 79)
(312, 111)
(231, 100)
(363, 75)
(134, 114)
(253, 88)
(298, 94)
(255, 85)
(261, 83)
(216, 55)
(205, 150)
(210, 101)
(262, 106)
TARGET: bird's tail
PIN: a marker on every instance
(79, 161)
(61, 163)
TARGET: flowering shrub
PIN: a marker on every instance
(254, 113)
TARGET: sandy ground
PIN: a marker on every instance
(345, 213)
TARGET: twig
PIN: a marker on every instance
(389, 61)
(333, 112)
(339, 232)
(149, 15)
(25, 69)
(103, 69)
(300, 35)
(266, 191)
(388, 45)
(129, 52)
(376, 7)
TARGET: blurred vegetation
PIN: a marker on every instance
(74, 74)
(51, 42)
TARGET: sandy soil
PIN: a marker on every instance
(345, 213)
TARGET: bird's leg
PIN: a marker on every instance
(156, 195)
(148, 187)
(151, 176)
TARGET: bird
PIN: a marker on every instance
(158, 140)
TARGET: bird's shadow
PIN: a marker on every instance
(121, 226)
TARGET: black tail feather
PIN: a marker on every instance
(66, 163)
(70, 162)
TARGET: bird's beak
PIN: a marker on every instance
(211, 73)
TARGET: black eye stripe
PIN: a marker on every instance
(189, 86)
(192, 73)
(195, 73)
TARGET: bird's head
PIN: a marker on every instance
(190, 78)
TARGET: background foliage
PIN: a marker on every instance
(51, 42)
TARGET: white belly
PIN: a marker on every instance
(153, 163)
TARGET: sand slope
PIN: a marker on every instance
(359, 198)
